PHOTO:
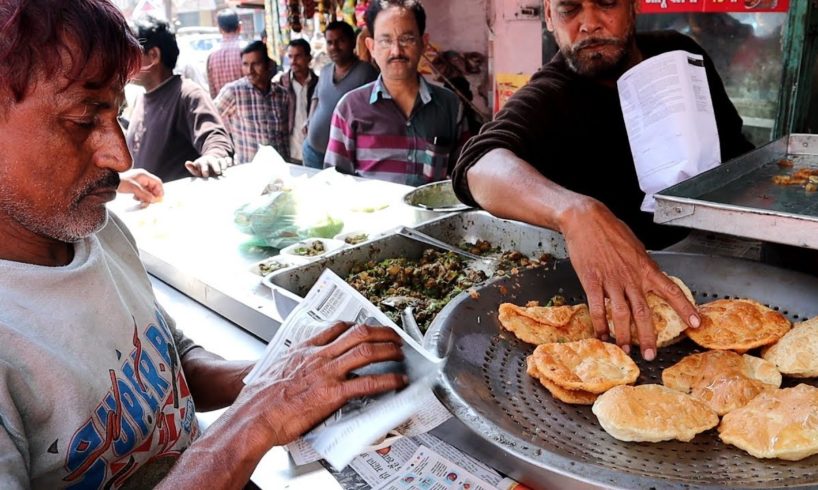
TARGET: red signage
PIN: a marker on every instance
(746, 6)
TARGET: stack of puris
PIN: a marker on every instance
(546, 324)
(724, 380)
(577, 372)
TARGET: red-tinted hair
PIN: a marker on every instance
(85, 40)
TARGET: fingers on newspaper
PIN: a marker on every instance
(364, 422)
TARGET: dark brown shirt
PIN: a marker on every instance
(175, 123)
(572, 131)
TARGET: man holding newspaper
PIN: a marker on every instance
(558, 156)
(98, 388)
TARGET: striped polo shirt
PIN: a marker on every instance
(371, 137)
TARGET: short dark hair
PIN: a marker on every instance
(257, 46)
(414, 6)
(303, 44)
(346, 29)
(157, 33)
(35, 36)
(228, 20)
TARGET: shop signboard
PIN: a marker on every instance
(506, 84)
(744, 6)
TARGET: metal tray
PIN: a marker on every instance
(740, 199)
(452, 229)
(485, 385)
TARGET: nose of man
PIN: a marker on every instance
(111, 150)
(590, 20)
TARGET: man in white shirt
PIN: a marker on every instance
(300, 82)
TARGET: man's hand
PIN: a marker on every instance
(312, 381)
(611, 262)
(145, 187)
(208, 166)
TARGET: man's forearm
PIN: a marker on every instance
(537, 200)
(225, 456)
(214, 382)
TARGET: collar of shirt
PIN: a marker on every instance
(294, 81)
(230, 39)
(379, 91)
(161, 85)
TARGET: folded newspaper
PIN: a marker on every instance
(362, 424)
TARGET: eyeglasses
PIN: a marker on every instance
(406, 41)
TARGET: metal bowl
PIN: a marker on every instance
(485, 385)
(437, 196)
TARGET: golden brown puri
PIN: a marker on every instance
(738, 324)
(652, 413)
(776, 424)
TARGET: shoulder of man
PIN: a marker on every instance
(282, 78)
(193, 90)
(326, 70)
(367, 69)
(443, 94)
(357, 96)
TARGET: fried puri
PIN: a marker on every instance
(652, 413)
(546, 324)
(724, 380)
(776, 424)
(796, 353)
(574, 397)
(668, 324)
(738, 324)
(586, 365)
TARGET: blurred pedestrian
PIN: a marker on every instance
(257, 109)
(299, 82)
(224, 64)
(174, 130)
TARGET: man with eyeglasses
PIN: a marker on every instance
(398, 128)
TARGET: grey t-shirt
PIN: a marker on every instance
(328, 92)
(91, 387)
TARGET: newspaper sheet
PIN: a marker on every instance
(670, 121)
(385, 464)
(362, 422)
(428, 470)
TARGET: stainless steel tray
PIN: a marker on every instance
(739, 198)
(485, 385)
(453, 229)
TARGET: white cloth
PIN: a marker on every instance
(91, 386)
(297, 137)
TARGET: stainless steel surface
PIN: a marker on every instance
(410, 324)
(453, 230)
(740, 199)
(189, 240)
(506, 234)
(484, 383)
(423, 237)
(437, 196)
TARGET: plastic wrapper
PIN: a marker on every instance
(285, 216)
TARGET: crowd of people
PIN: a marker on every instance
(99, 388)
(376, 119)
